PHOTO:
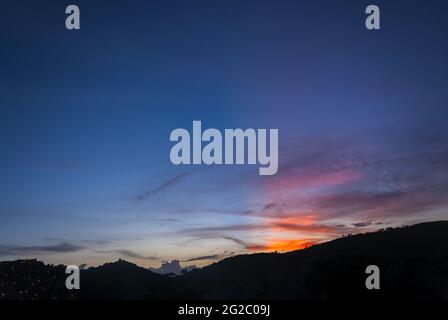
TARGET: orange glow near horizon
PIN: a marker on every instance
(305, 227)
(289, 225)
(283, 245)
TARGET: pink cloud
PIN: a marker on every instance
(307, 180)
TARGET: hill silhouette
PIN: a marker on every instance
(413, 262)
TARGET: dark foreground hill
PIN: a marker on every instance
(413, 262)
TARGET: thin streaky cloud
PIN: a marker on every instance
(131, 254)
(57, 248)
(209, 257)
(163, 186)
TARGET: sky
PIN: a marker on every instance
(86, 115)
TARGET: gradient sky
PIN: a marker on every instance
(85, 119)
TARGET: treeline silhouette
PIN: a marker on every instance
(413, 262)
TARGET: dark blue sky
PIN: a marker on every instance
(86, 115)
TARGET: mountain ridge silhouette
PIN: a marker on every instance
(413, 262)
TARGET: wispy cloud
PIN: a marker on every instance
(244, 244)
(287, 225)
(163, 186)
(209, 257)
(131, 254)
(363, 224)
(237, 241)
(21, 250)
